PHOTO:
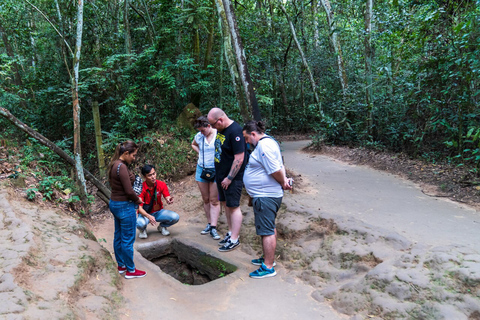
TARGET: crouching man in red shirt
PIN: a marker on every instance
(152, 209)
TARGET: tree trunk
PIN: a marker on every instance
(98, 138)
(63, 42)
(368, 65)
(283, 92)
(52, 146)
(230, 59)
(77, 149)
(342, 74)
(126, 27)
(304, 60)
(241, 61)
(316, 36)
(211, 30)
(195, 98)
(17, 79)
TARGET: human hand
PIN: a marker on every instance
(169, 200)
(152, 220)
(225, 183)
(288, 185)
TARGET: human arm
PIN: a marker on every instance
(195, 146)
(281, 177)
(234, 169)
(147, 215)
(163, 190)
(126, 177)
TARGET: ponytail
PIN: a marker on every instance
(257, 126)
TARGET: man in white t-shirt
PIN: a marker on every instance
(265, 180)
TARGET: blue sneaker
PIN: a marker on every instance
(263, 272)
(206, 230)
(259, 261)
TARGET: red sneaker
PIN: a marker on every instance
(136, 274)
(121, 269)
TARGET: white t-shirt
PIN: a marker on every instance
(209, 150)
(264, 160)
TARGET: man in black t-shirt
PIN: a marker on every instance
(230, 164)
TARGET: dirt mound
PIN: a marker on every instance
(52, 266)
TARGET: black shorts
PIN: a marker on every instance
(232, 195)
(265, 210)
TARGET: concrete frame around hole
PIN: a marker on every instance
(190, 253)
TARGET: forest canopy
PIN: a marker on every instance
(398, 75)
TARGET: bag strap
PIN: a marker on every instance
(203, 151)
(154, 196)
(118, 169)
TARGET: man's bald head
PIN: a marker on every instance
(216, 113)
(218, 119)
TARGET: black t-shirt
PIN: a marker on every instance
(228, 143)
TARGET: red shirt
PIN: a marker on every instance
(147, 194)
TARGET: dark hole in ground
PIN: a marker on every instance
(187, 264)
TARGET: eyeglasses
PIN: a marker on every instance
(213, 124)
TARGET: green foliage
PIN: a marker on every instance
(170, 152)
(425, 75)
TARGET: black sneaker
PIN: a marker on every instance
(229, 246)
(225, 240)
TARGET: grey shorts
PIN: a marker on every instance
(265, 210)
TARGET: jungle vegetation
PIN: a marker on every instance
(398, 75)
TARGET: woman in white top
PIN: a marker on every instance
(204, 144)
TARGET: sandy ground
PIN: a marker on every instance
(354, 243)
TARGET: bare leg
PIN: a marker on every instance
(204, 190)
(235, 220)
(269, 244)
(214, 204)
(227, 215)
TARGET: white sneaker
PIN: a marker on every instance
(165, 232)
(143, 234)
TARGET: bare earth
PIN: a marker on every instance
(347, 249)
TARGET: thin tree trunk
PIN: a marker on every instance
(220, 85)
(368, 66)
(52, 146)
(304, 60)
(126, 27)
(150, 34)
(98, 138)
(149, 19)
(316, 35)
(241, 61)
(211, 30)
(283, 92)
(342, 74)
(77, 149)
(17, 79)
(231, 62)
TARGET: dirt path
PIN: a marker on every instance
(344, 191)
(354, 243)
(235, 296)
(396, 252)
